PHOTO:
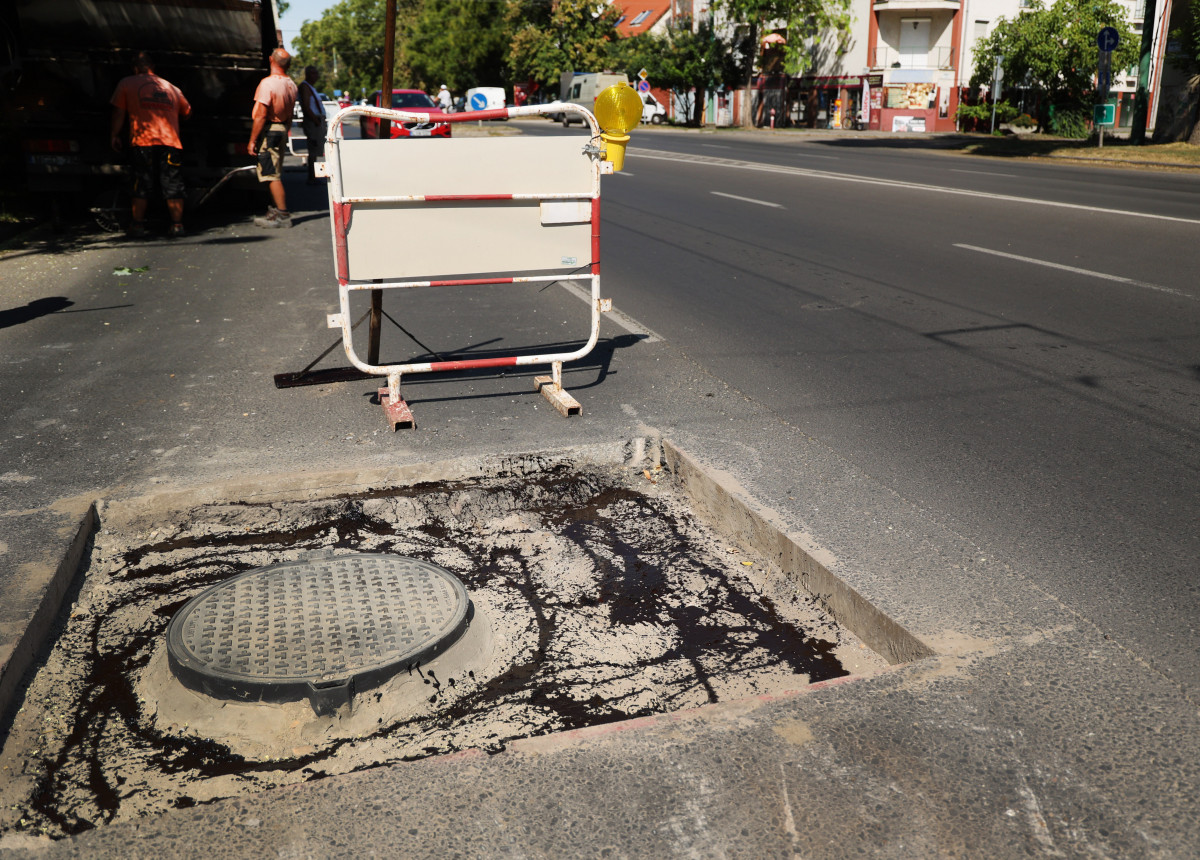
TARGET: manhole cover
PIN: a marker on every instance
(318, 628)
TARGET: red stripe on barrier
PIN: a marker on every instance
(468, 116)
(595, 235)
(444, 197)
(470, 282)
(467, 364)
(341, 223)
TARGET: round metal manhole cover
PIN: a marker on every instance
(317, 627)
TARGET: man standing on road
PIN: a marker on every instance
(314, 120)
(154, 107)
(274, 102)
(443, 98)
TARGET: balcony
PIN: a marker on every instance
(914, 5)
(887, 57)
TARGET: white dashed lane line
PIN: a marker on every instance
(748, 200)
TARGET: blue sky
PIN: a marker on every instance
(298, 12)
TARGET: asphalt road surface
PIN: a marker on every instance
(1012, 346)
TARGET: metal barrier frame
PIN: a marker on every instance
(341, 209)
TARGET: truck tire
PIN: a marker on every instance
(566, 120)
(656, 119)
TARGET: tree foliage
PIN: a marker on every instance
(805, 23)
(1052, 51)
(566, 36)
(349, 37)
(682, 58)
(466, 43)
(460, 43)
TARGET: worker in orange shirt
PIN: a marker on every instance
(154, 107)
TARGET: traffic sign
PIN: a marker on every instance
(643, 74)
(1104, 114)
(643, 86)
(1108, 39)
(478, 101)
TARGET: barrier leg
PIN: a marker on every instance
(376, 323)
(394, 408)
(552, 390)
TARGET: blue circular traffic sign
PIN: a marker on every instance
(478, 101)
(1108, 39)
(643, 86)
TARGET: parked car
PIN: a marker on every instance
(485, 98)
(414, 101)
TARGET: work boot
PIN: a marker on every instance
(137, 230)
(274, 218)
(175, 231)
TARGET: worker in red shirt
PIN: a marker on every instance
(154, 107)
(274, 102)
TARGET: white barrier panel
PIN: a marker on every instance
(420, 212)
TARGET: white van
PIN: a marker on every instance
(582, 89)
(652, 110)
(484, 98)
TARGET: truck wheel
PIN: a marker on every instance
(566, 121)
(656, 119)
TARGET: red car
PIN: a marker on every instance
(414, 101)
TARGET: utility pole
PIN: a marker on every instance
(1141, 100)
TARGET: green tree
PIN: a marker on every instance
(460, 43)
(805, 22)
(346, 44)
(682, 58)
(1053, 51)
(566, 36)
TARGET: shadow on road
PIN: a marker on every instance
(33, 310)
(598, 360)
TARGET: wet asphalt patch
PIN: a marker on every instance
(606, 599)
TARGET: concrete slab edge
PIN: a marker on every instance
(343, 483)
(731, 514)
(37, 632)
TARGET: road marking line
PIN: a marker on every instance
(813, 155)
(1077, 270)
(621, 318)
(713, 161)
(981, 172)
(622, 173)
(714, 146)
(748, 200)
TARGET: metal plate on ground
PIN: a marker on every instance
(317, 628)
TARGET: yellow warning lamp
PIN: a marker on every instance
(618, 109)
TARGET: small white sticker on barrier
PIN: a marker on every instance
(570, 261)
(566, 211)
